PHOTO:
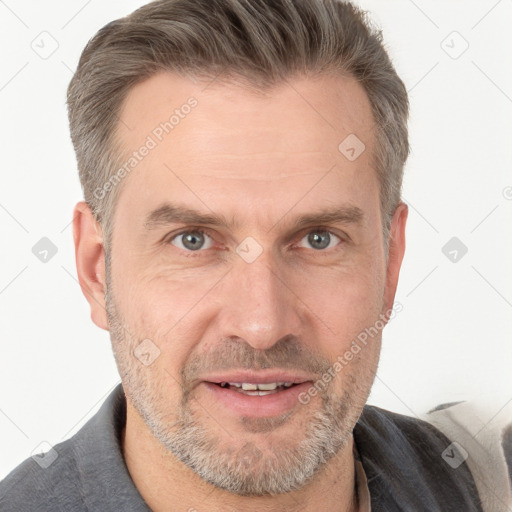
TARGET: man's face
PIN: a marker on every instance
(254, 297)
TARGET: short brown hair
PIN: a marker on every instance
(262, 42)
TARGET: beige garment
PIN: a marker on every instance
(481, 434)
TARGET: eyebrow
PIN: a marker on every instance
(175, 214)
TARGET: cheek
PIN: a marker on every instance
(349, 304)
(345, 298)
(170, 308)
(158, 291)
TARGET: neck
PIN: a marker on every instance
(166, 484)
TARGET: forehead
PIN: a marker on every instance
(219, 145)
(317, 111)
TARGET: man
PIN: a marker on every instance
(241, 238)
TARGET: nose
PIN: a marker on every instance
(258, 304)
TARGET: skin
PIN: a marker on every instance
(263, 159)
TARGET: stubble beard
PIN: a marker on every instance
(273, 465)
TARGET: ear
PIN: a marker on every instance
(90, 261)
(396, 254)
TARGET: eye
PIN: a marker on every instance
(320, 239)
(193, 240)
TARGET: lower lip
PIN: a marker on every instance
(273, 404)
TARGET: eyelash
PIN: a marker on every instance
(189, 253)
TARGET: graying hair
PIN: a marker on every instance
(258, 42)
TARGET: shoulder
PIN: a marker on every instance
(404, 458)
(85, 472)
(44, 483)
(391, 434)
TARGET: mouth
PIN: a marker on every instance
(257, 394)
(251, 389)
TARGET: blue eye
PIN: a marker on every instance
(194, 240)
(320, 240)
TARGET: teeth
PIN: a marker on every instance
(257, 389)
(267, 387)
(260, 393)
(270, 386)
(246, 386)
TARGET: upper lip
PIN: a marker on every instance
(258, 377)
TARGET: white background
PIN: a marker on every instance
(452, 341)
